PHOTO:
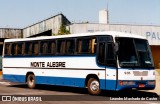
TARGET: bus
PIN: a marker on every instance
(97, 61)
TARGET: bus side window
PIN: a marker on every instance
(52, 47)
(15, 52)
(7, 49)
(44, 47)
(79, 46)
(86, 46)
(110, 55)
(12, 49)
(23, 48)
(70, 46)
(19, 48)
(83, 46)
(61, 46)
(101, 53)
(28, 48)
(36, 48)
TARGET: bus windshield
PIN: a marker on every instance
(134, 53)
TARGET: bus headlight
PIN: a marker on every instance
(127, 83)
(151, 82)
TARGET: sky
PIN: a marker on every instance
(23, 13)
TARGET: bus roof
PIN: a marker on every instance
(112, 33)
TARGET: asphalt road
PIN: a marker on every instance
(47, 94)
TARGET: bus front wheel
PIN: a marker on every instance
(93, 86)
(31, 81)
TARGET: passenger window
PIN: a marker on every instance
(28, 48)
(23, 48)
(8, 49)
(15, 48)
(52, 47)
(70, 46)
(101, 53)
(44, 47)
(86, 46)
(61, 46)
(19, 48)
(110, 55)
(36, 48)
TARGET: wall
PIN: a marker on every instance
(10, 33)
(156, 56)
(53, 24)
(152, 33)
(49, 24)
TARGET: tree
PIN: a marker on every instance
(62, 30)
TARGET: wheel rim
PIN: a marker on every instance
(31, 80)
(94, 86)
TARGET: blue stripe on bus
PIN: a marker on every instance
(14, 78)
(64, 81)
(77, 82)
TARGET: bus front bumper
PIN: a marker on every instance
(140, 85)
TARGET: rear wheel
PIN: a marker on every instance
(31, 81)
(93, 86)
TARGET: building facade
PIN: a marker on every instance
(46, 27)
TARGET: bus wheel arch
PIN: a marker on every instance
(92, 83)
(30, 80)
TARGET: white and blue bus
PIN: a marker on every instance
(98, 61)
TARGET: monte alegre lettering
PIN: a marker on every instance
(47, 64)
(55, 64)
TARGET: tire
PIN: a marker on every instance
(93, 86)
(31, 81)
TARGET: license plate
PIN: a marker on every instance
(141, 85)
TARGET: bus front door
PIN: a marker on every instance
(106, 59)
